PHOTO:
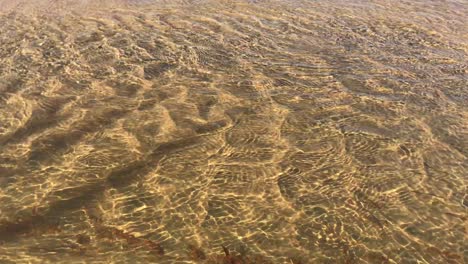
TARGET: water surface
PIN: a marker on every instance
(284, 131)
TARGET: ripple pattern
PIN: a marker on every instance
(226, 131)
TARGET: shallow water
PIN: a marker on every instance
(283, 131)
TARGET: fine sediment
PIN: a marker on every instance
(233, 131)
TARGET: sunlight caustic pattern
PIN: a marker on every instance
(215, 131)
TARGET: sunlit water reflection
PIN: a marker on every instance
(283, 131)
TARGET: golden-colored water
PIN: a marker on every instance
(284, 131)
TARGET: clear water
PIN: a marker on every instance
(283, 131)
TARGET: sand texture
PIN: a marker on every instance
(233, 131)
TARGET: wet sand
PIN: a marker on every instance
(226, 131)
